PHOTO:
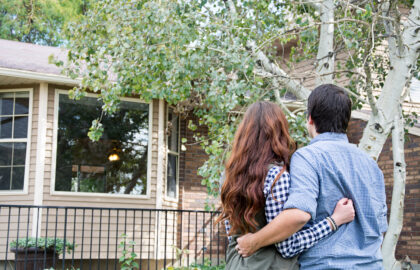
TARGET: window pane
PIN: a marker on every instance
(91, 179)
(117, 163)
(5, 127)
(6, 103)
(18, 178)
(22, 103)
(19, 154)
(173, 127)
(5, 178)
(171, 177)
(21, 127)
(6, 154)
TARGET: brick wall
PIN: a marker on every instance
(193, 194)
(206, 237)
(409, 243)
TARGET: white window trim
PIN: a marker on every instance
(93, 194)
(176, 198)
(28, 143)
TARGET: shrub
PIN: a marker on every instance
(43, 243)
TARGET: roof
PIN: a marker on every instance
(29, 57)
(24, 63)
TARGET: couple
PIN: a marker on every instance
(326, 203)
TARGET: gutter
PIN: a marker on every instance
(50, 78)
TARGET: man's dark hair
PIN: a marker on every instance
(329, 107)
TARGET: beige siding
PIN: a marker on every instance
(20, 218)
(14, 224)
(27, 198)
(99, 237)
(81, 220)
(94, 233)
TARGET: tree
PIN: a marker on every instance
(213, 58)
(39, 21)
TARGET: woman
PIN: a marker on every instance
(256, 187)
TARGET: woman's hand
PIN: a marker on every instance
(246, 245)
(343, 212)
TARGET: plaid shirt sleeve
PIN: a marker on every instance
(304, 239)
(275, 196)
(227, 227)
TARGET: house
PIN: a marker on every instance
(91, 192)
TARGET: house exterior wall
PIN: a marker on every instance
(192, 194)
(71, 223)
(22, 198)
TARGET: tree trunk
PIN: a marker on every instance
(398, 193)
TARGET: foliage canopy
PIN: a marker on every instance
(200, 57)
(39, 21)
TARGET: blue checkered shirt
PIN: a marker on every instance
(322, 173)
(275, 196)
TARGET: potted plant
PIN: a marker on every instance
(30, 252)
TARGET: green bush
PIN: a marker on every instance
(43, 243)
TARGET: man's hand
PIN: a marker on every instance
(246, 245)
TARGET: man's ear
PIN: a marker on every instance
(310, 121)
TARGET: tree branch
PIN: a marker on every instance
(279, 101)
(366, 66)
(294, 87)
(348, 4)
(315, 4)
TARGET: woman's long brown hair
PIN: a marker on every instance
(262, 139)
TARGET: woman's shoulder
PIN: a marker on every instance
(273, 171)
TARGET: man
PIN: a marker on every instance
(323, 172)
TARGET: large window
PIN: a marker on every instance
(173, 154)
(117, 163)
(14, 119)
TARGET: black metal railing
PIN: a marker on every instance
(98, 238)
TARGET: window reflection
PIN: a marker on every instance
(84, 166)
(14, 117)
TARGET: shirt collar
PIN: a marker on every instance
(330, 136)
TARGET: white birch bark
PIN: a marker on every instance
(268, 66)
(404, 59)
(325, 56)
(293, 86)
(398, 194)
